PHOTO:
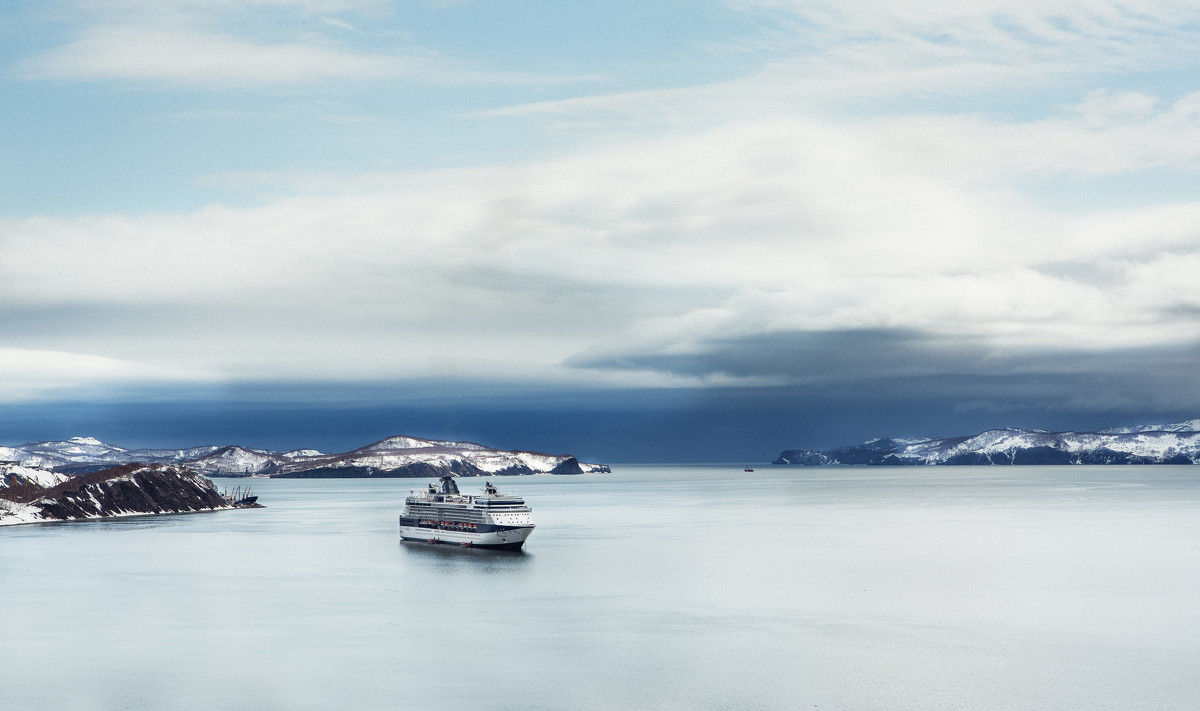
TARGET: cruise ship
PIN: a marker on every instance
(440, 514)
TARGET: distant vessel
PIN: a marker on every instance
(241, 498)
(747, 469)
(440, 514)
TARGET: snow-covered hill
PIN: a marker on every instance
(411, 456)
(1186, 426)
(394, 456)
(85, 451)
(1175, 443)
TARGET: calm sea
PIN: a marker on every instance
(656, 587)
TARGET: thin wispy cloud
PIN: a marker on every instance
(822, 56)
(204, 58)
(143, 53)
(1065, 32)
(251, 42)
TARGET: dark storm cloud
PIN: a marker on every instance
(895, 364)
(841, 387)
(739, 424)
(802, 356)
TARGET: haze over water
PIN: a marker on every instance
(664, 587)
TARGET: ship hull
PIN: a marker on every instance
(503, 537)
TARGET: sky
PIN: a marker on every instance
(679, 230)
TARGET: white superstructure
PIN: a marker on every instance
(440, 514)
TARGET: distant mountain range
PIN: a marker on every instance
(1176, 443)
(392, 457)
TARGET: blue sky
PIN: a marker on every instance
(673, 230)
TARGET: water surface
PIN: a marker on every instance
(657, 587)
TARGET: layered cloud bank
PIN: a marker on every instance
(707, 258)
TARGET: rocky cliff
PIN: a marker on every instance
(29, 496)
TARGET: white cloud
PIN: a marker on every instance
(193, 8)
(38, 373)
(191, 56)
(249, 42)
(823, 58)
(995, 30)
(661, 245)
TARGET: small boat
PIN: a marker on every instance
(747, 469)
